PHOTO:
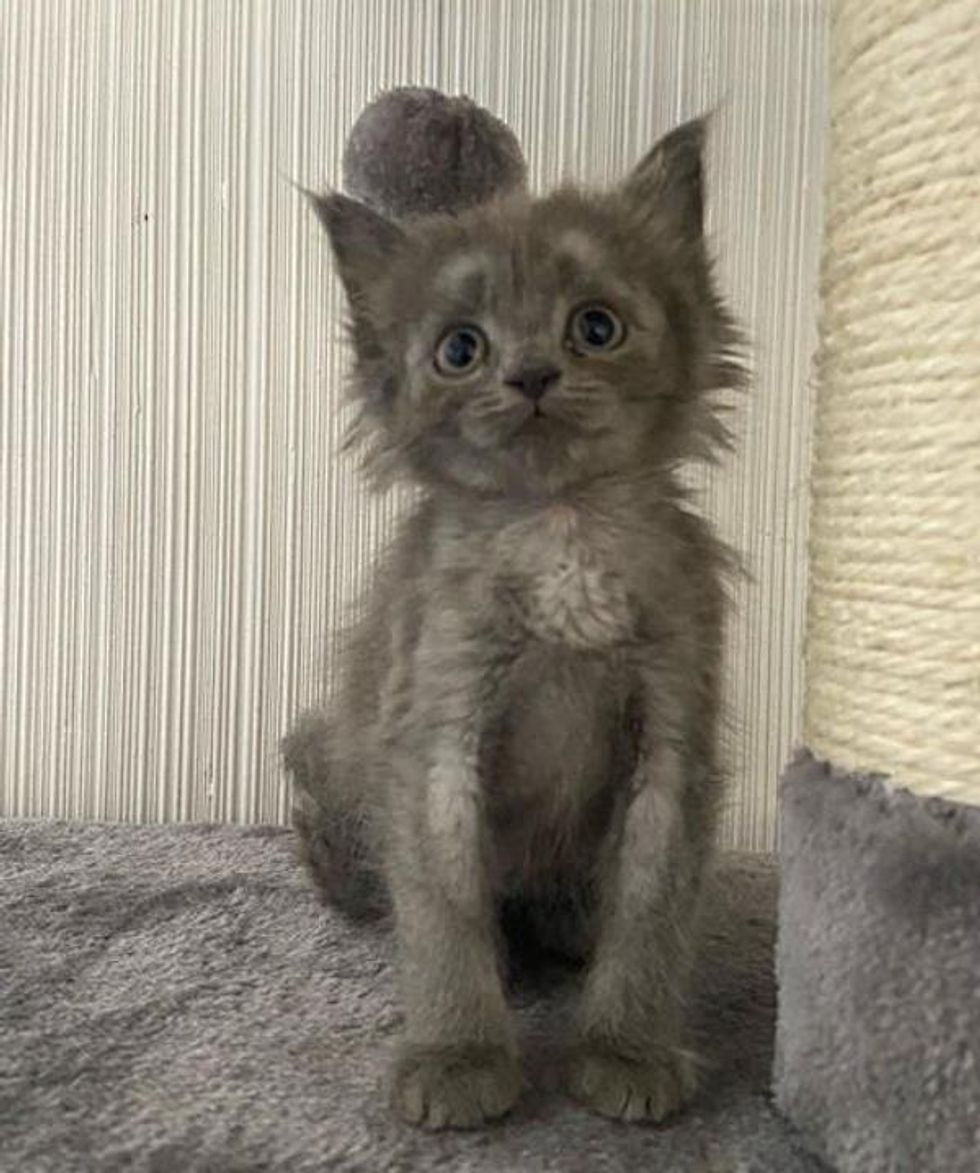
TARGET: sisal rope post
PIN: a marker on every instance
(893, 645)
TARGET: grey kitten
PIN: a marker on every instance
(525, 733)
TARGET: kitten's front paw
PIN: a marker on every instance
(627, 1088)
(454, 1087)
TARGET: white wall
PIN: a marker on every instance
(179, 537)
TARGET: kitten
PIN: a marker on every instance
(526, 728)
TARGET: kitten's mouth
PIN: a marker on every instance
(534, 423)
(537, 424)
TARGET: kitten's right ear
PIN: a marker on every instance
(363, 241)
(668, 183)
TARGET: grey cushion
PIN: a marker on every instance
(879, 974)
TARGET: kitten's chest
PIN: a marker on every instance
(569, 581)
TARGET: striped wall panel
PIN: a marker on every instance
(179, 540)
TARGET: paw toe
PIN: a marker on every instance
(455, 1087)
(625, 1088)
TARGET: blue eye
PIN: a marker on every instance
(594, 327)
(459, 351)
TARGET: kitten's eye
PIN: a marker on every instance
(594, 327)
(462, 349)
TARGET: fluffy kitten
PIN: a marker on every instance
(526, 730)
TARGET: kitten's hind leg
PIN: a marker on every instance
(332, 819)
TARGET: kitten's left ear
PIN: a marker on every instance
(668, 183)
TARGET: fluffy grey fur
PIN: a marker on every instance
(525, 734)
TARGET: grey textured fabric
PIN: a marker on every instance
(416, 151)
(174, 999)
(878, 1045)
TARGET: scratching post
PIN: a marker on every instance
(893, 651)
(878, 1052)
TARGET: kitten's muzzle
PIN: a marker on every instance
(533, 381)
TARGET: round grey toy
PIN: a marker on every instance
(417, 151)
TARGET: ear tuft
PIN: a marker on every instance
(668, 182)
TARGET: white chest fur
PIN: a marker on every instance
(571, 591)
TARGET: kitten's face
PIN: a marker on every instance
(531, 345)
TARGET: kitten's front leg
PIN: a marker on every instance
(633, 1061)
(458, 1063)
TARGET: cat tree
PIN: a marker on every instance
(878, 1050)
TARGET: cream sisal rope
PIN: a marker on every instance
(893, 649)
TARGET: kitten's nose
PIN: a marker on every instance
(533, 381)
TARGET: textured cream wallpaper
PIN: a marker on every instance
(179, 539)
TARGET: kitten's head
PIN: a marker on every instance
(529, 345)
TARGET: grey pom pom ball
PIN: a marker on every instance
(415, 152)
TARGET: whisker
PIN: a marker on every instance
(489, 413)
(492, 408)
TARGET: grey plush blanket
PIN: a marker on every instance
(174, 999)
